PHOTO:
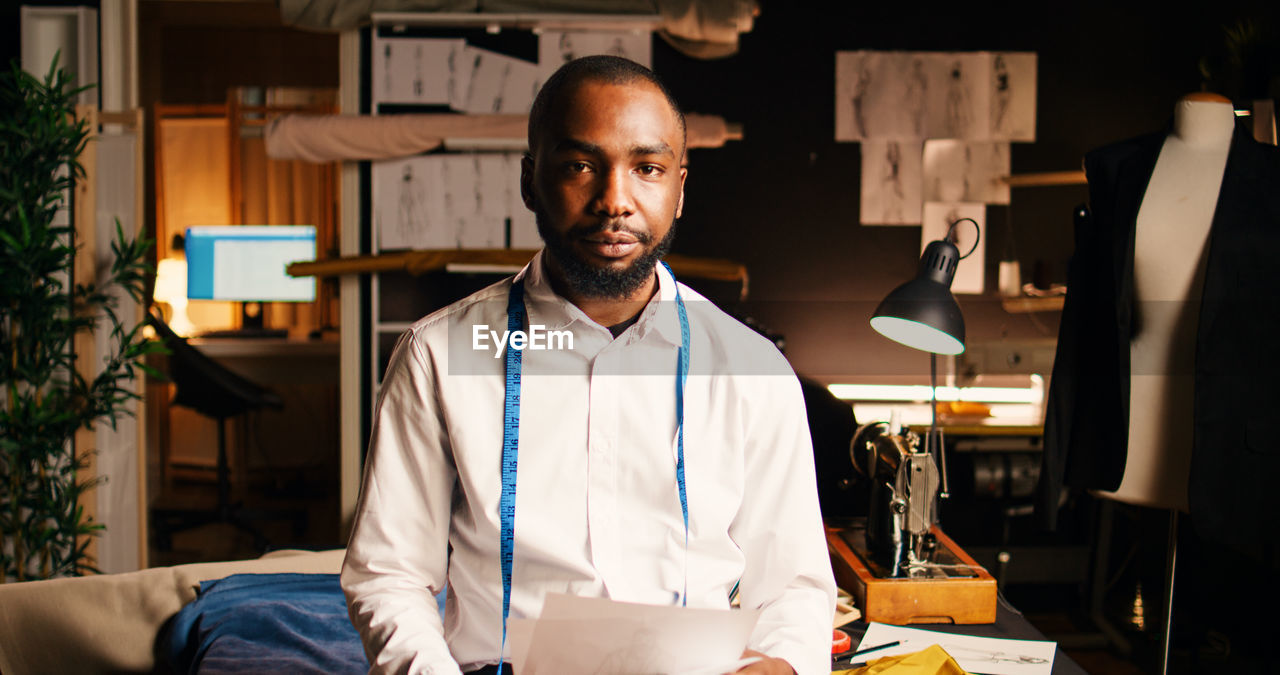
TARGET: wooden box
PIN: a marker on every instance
(901, 601)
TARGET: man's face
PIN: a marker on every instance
(606, 184)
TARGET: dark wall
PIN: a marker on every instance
(192, 52)
(784, 201)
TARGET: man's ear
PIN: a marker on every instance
(684, 173)
(526, 181)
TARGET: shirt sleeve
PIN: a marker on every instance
(779, 530)
(398, 553)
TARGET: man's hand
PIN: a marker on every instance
(766, 665)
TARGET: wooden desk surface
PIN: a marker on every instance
(991, 428)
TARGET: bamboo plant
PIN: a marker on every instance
(44, 531)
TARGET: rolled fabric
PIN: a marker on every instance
(329, 138)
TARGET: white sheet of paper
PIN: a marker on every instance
(890, 183)
(938, 217)
(882, 95)
(916, 95)
(990, 656)
(408, 205)
(596, 635)
(958, 104)
(556, 48)
(1013, 96)
(451, 201)
(966, 171)
(498, 83)
(414, 70)
(524, 225)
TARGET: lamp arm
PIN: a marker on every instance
(936, 446)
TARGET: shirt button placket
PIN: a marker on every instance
(602, 517)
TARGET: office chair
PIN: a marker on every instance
(209, 388)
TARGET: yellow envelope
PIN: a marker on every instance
(933, 660)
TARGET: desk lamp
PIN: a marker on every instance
(921, 314)
(902, 568)
(171, 289)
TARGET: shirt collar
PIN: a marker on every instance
(545, 307)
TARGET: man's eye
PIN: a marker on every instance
(577, 167)
(649, 170)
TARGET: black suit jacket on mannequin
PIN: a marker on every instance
(1234, 488)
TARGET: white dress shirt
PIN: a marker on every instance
(597, 504)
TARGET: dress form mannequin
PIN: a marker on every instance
(1169, 259)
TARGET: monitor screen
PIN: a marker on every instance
(247, 263)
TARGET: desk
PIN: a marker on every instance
(1009, 624)
(302, 436)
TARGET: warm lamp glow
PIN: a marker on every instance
(171, 289)
(916, 335)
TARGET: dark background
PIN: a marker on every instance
(784, 201)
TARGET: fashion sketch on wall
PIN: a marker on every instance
(524, 227)
(961, 95)
(417, 71)
(555, 48)
(882, 95)
(406, 202)
(965, 171)
(967, 105)
(496, 83)
(1013, 96)
(890, 182)
(958, 105)
(447, 201)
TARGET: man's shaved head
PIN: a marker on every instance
(606, 69)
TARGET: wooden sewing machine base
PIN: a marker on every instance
(951, 599)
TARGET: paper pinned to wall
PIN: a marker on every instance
(891, 182)
(958, 103)
(596, 635)
(916, 95)
(407, 206)
(496, 83)
(448, 201)
(416, 70)
(524, 228)
(966, 171)
(938, 217)
(1013, 96)
(881, 95)
(555, 48)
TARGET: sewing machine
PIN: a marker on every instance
(900, 566)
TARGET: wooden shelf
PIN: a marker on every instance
(1046, 179)
(1025, 304)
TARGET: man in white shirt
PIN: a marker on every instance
(608, 476)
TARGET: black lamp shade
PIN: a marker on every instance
(922, 313)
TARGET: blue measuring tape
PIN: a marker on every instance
(511, 445)
(510, 452)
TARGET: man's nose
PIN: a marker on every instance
(613, 198)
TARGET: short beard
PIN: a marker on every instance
(602, 283)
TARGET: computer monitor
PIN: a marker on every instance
(246, 263)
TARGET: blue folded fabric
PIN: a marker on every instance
(263, 623)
